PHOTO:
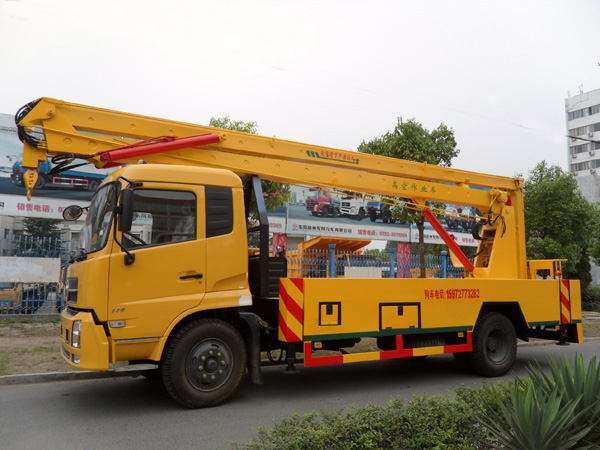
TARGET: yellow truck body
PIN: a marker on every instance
(193, 301)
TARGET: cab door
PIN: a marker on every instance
(167, 276)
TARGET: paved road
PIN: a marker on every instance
(137, 413)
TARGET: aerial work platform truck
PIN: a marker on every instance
(183, 292)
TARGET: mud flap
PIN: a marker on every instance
(253, 346)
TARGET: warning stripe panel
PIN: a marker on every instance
(291, 305)
(565, 302)
(288, 335)
(291, 313)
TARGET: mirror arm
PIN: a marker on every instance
(129, 257)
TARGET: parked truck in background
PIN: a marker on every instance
(323, 204)
(75, 178)
(354, 205)
(189, 297)
(381, 211)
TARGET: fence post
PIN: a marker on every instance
(444, 263)
(392, 263)
(331, 260)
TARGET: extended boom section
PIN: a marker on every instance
(185, 292)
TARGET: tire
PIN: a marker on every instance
(361, 214)
(92, 186)
(204, 363)
(494, 345)
(325, 211)
(40, 183)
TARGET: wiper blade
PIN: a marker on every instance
(81, 257)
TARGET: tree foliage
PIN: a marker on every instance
(410, 140)
(238, 125)
(558, 220)
(275, 194)
(40, 227)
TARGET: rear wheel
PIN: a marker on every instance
(325, 211)
(494, 345)
(204, 363)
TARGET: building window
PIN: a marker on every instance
(582, 148)
(584, 112)
(577, 167)
(577, 131)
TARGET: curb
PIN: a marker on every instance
(128, 371)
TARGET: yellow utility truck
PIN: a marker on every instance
(179, 289)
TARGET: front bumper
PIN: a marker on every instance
(92, 353)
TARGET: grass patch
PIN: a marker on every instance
(40, 350)
(4, 360)
(591, 328)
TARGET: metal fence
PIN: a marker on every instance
(347, 264)
(24, 298)
(47, 298)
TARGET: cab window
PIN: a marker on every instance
(162, 217)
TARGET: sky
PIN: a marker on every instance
(330, 73)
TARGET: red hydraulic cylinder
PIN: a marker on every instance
(168, 143)
(449, 240)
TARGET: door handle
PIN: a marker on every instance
(187, 277)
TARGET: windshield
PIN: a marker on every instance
(96, 230)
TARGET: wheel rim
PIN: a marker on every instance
(209, 365)
(497, 347)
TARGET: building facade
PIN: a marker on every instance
(582, 114)
(583, 128)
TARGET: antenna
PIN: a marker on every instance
(581, 88)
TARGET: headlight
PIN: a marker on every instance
(75, 335)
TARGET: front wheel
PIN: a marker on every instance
(494, 345)
(204, 363)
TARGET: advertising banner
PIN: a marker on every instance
(349, 215)
(52, 193)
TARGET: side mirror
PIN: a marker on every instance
(126, 210)
(73, 212)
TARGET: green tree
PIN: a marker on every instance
(45, 236)
(275, 194)
(558, 220)
(238, 125)
(412, 141)
(39, 227)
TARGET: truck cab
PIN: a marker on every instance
(189, 216)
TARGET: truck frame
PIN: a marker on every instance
(194, 301)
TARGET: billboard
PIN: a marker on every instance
(52, 193)
(346, 214)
